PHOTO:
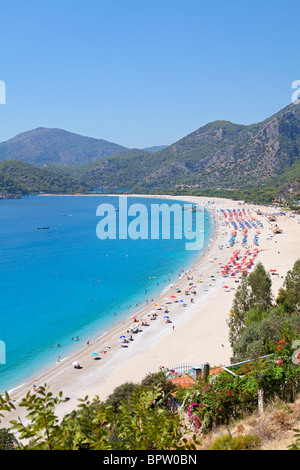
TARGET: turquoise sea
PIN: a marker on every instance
(63, 282)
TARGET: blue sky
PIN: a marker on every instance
(143, 73)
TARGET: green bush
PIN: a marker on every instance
(295, 445)
(7, 440)
(121, 394)
(225, 397)
(227, 442)
(138, 426)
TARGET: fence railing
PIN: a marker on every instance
(185, 367)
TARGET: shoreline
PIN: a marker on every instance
(99, 337)
(199, 335)
(112, 331)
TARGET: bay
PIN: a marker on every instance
(63, 282)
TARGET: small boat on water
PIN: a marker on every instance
(42, 228)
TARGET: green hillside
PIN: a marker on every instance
(20, 178)
(121, 170)
(253, 162)
(219, 155)
(42, 146)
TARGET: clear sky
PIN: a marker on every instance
(142, 73)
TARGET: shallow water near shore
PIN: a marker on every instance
(61, 283)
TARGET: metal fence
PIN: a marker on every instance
(185, 367)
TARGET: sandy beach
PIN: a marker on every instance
(197, 332)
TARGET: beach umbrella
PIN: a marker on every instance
(122, 336)
(76, 363)
(94, 354)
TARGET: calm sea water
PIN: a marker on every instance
(64, 282)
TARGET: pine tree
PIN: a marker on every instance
(289, 294)
(261, 288)
(240, 307)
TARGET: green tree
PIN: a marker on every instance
(7, 440)
(260, 288)
(160, 379)
(252, 299)
(289, 294)
(121, 394)
(258, 338)
(239, 310)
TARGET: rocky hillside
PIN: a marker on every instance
(225, 154)
(218, 155)
(291, 189)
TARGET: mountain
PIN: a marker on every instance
(220, 154)
(43, 146)
(155, 148)
(20, 178)
(121, 170)
(225, 154)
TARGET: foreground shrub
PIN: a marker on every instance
(121, 394)
(141, 425)
(225, 397)
(227, 442)
(7, 440)
(296, 444)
